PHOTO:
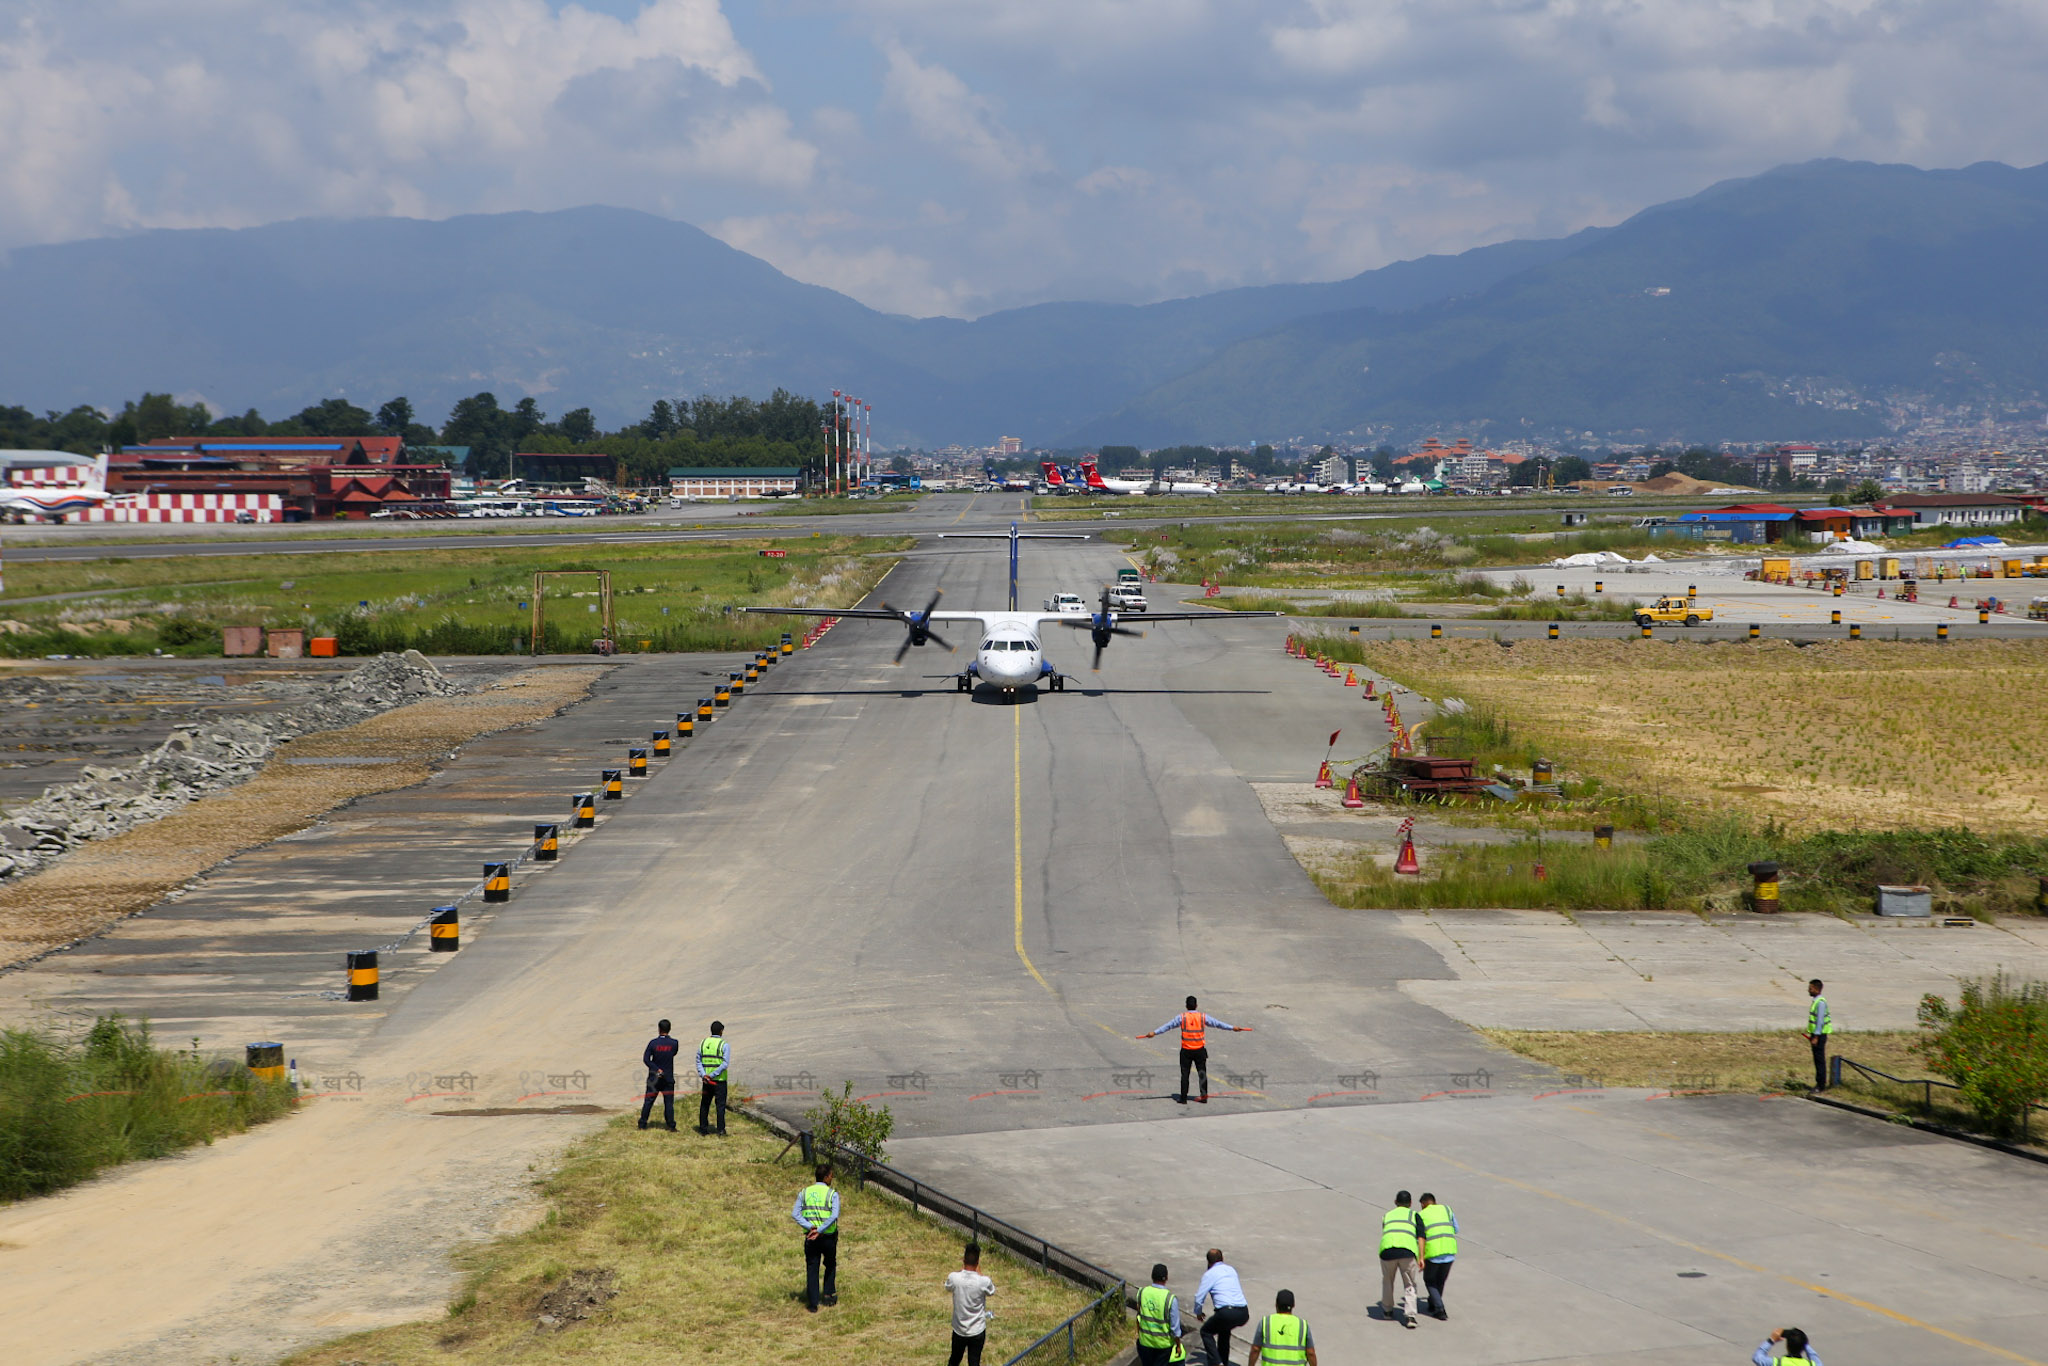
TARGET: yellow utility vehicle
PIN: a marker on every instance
(1672, 611)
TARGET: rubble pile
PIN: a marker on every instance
(201, 758)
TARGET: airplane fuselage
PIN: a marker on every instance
(1010, 656)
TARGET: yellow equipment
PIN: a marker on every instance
(1674, 610)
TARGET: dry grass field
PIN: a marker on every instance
(1842, 735)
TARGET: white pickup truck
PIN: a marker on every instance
(1067, 602)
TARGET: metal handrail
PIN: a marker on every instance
(1050, 1257)
(1927, 1085)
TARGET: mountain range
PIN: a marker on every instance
(1825, 300)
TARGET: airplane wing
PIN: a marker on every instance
(1191, 616)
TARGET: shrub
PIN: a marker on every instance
(854, 1130)
(1993, 1044)
(68, 1110)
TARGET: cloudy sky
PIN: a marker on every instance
(956, 156)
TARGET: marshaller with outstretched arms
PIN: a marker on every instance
(1010, 655)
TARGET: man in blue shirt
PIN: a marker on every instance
(659, 1058)
(1228, 1307)
(1194, 1027)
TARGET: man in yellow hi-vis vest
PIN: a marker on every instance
(1820, 1022)
(1439, 1251)
(1158, 1322)
(1400, 1240)
(1282, 1338)
(817, 1214)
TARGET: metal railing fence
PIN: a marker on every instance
(1927, 1085)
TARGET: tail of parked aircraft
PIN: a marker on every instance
(1052, 474)
(1089, 473)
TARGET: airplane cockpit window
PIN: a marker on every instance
(988, 645)
(1030, 644)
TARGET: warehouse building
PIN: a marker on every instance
(733, 482)
(1958, 509)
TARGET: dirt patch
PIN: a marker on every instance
(581, 1294)
(1752, 1060)
(109, 880)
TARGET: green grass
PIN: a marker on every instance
(1705, 869)
(70, 1109)
(452, 601)
(696, 1237)
(1738, 1060)
(1571, 607)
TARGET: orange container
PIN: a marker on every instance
(321, 647)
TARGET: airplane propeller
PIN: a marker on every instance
(919, 624)
(1101, 626)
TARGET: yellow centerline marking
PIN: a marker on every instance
(1017, 841)
(969, 508)
(1894, 1315)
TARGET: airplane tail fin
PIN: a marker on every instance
(1089, 472)
(99, 473)
(1052, 474)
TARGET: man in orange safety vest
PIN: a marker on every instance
(1194, 1045)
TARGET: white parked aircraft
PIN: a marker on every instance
(1097, 484)
(1010, 655)
(58, 501)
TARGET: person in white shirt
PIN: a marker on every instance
(1228, 1308)
(970, 1290)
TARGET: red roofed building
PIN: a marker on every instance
(316, 477)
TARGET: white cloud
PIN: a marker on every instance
(124, 116)
(958, 155)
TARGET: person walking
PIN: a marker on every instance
(659, 1058)
(970, 1291)
(1194, 1045)
(714, 1062)
(1794, 1345)
(1439, 1251)
(1227, 1307)
(1283, 1339)
(1400, 1239)
(817, 1214)
(1820, 1022)
(1158, 1321)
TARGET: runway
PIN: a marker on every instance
(966, 906)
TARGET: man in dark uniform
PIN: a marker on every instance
(659, 1058)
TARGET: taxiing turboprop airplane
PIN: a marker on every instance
(59, 500)
(1010, 655)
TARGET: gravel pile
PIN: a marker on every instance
(201, 758)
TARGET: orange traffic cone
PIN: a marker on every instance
(1323, 778)
(1369, 689)
(1405, 861)
(1352, 801)
(1350, 679)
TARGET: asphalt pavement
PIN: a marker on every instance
(966, 906)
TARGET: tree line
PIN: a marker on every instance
(782, 429)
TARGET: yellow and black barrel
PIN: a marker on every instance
(1553, 630)
(1692, 590)
(662, 748)
(1941, 631)
(614, 784)
(723, 696)
(444, 933)
(764, 659)
(586, 810)
(1542, 771)
(736, 682)
(1855, 630)
(753, 671)
(497, 882)
(1835, 617)
(1354, 630)
(788, 647)
(704, 705)
(1983, 616)
(266, 1060)
(547, 842)
(686, 724)
(1436, 631)
(362, 975)
(1755, 631)
(1560, 590)
(1603, 836)
(1599, 586)
(1764, 898)
(636, 761)
(1646, 630)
